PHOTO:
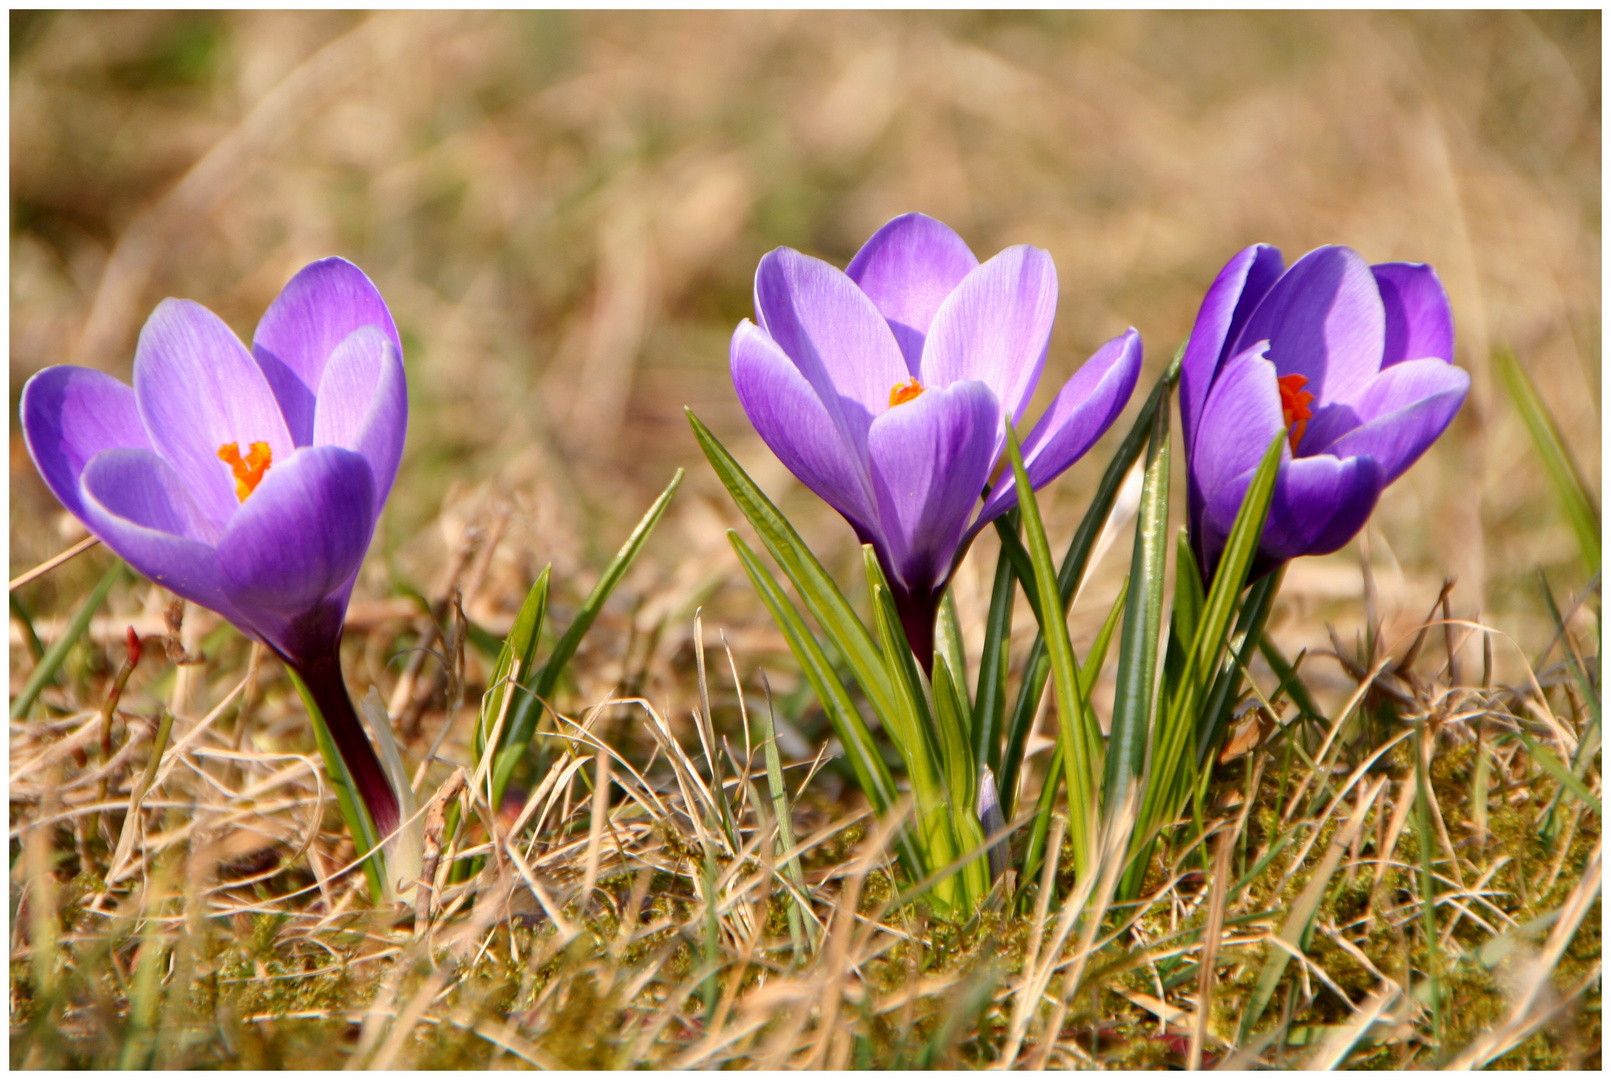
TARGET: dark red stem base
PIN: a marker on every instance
(917, 614)
(322, 675)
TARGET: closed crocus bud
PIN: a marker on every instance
(1354, 361)
(248, 482)
(883, 387)
(992, 821)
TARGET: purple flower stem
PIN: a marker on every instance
(321, 674)
(918, 612)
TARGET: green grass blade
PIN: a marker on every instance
(1428, 855)
(1557, 768)
(1585, 685)
(1069, 575)
(1576, 502)
(611, 577)
(1249, 631)
(948, 642)
(956, 753)
(821, 594)
(1174, 744)
(1083, 754)
(1288, 676)
(865, 760)
(962, 779)
(52, 662)
(990, 702)
(1036, 848)
(918, 738)
(1295, 928)
(779, 794)
(910, 723)
(1189, 600)
(521, 645)
(1018, 558)
(527, 709)
(1143, 614)
(1183, 618)
(30, 638)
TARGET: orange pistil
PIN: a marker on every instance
(248, 471)
(901, 393)
(1295, 406)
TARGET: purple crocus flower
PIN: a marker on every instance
(246, 482)
(1354, 359)
(883, 389)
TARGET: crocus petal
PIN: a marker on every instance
(70, 414)
(1086, 407)
(793, 422)
(315, 312)
(1419, 322)
(1324, 320)
(908, 268)
(931, 458)
(297, 541)
(833, 334)
(1319, 504)
(135, 502)
(1404, 411)
(1230, 300)
(1240, 417)
(994, 328)
(363, 404)
(197, 390)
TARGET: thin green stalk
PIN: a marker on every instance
(865, 760)
(914, 727)
(779, 794)
(822, 595)
(1035, 850)
(1143, 615)
(527, 708)
(1173, 746)
(1038, 667)
(57, 653)
(1077, 728)
(1576, 502)
(30, 638)
(990, 702)
(1429, 920)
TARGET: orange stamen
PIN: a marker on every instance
(1295, 406)
(249, 471)
(901, 393)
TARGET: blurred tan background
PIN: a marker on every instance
(564, 212)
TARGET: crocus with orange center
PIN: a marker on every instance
(271, 538)
(883, 388)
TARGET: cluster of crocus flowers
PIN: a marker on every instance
(1352, 360)
(883, 388)
(248, 482)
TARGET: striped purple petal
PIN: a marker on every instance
(994, 328)
(908, 268)
(199, 390)
(317, 310)
(70, 414)
(1084, 409)
(296, 543)
(363, 404)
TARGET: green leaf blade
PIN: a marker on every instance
(1069, 576)
(1143, 615)
(822, 595)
